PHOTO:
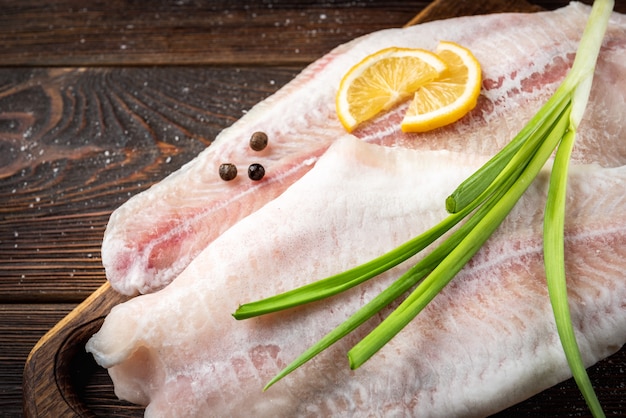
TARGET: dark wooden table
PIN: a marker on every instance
(99, 100)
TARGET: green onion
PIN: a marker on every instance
(456, 257)
(483, 201)
(554, 221)
(343, 281)
(580, 77)
(399, 287)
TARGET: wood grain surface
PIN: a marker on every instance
(100, 100)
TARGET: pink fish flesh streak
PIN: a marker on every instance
(151, 238)
(486, 342)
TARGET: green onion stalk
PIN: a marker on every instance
(482, 201)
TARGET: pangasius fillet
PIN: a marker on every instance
(156, 234)
(486, 342)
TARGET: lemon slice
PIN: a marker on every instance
(382, 80)
(450, 97)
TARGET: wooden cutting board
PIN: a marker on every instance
(50, 385)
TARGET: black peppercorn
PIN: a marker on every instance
(256, 172)
(228, 171)
(258, 141)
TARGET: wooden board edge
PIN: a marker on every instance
(46, 382)
(443, 9)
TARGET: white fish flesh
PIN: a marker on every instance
(150, 239)
(486, 342)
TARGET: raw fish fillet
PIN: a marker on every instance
(486, 342)
(156, 234)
